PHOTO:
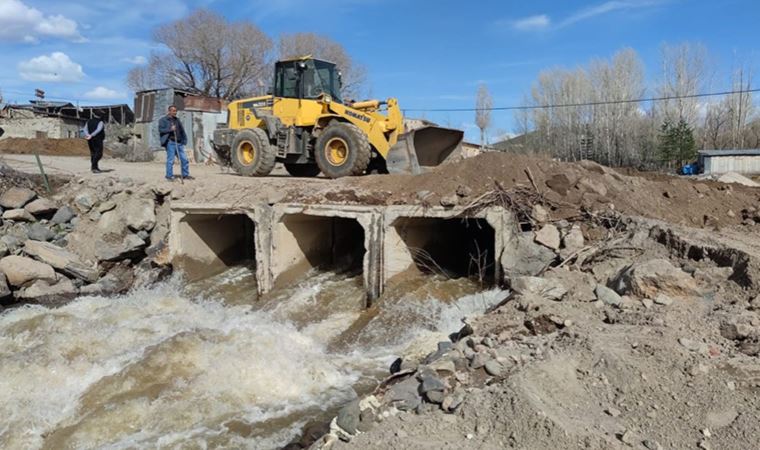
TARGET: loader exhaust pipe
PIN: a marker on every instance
(422, 149)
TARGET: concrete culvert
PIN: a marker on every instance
(304, 242)
(454, 248)
(211, 243)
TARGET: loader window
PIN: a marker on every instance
(327, 79)
(319, 77)
(286, 81)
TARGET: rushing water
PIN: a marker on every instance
(209, 364)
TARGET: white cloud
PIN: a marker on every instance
(56, 67)
(538, 22)
(137, 60)
(21, 23)
(543, 21)
(103, 93)
(607, 7)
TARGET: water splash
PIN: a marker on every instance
(177, 365)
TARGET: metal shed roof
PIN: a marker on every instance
(746, 152)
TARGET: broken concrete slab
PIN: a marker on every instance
(131, 245)
(61, 259)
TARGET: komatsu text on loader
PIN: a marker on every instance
(306, 126)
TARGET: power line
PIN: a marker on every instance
(599, 103)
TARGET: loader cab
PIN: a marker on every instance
(306, 78)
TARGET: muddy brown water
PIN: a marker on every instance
(210, 364)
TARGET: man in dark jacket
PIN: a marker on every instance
(94, 131)
(174, 139)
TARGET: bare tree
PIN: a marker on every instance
(483, 105)
(322, 47)
(207, 55)
(684, 73)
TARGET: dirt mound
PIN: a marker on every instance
(45, 146)
(568, 188)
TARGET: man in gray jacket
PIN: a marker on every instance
(174, 139)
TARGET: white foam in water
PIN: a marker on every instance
(155, 368)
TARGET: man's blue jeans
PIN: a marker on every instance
(172, 148)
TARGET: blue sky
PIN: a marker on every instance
(429, 54)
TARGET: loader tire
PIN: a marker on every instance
(342, 150)
(252, 155)
(302, 170)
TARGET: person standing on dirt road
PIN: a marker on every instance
(95, 133)
(174, 139)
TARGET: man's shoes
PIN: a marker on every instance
(189, 177)
(169, 179)
(97, 171)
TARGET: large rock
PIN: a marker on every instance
(48, 293)
(40, 232)
(11, 242)
(84, 201)
(522, 256)
(61, 259)
(16, 197)
(579, 285)
(18, 215)
(20, 270)
(348, 417)
(573, 240)
(63, 215)
(41, 207)
(139, 214)
(111, 222)
(131, 245)
(548, 236)
(5, 290)
(404, 395)
(550, 288)
(608, 296)
(654, 277)
(588, 185)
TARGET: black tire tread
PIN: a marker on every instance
(363, 151)
(266, 153)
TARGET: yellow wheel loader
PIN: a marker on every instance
(307, 127)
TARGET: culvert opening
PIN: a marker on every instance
(454, 248)
(305, 242)
(211, 243)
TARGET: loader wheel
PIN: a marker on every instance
(342, 150)
(252, 155)
(302, 170)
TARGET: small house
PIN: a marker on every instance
(723, 161)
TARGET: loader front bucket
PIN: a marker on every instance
(422, 149)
